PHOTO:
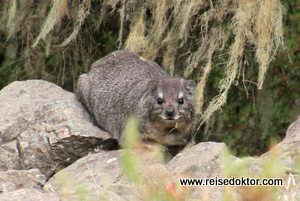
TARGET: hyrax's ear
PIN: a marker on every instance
(152, 85)
(190, 86)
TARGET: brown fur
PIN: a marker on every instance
(123, 83)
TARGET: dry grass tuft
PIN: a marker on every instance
(54, 16)
(136, 41)
(82, 14)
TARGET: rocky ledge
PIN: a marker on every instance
(51, 150)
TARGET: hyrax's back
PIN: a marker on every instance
(114, 85)
(124, 83)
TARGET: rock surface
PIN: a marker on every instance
(43, 126)
(200, 161)
(289, 148)
(9, 156)
(99, 175)
(29, 195)
(44, 129)
(288, 153)
(12, 180)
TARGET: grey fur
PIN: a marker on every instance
(124, 83)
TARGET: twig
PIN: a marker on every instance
(91, 172)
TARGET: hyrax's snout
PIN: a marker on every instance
(170, 112)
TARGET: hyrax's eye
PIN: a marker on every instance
(160, 101)
(180, 101)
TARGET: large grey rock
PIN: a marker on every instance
(29, 195)
(9, 156)
(99, 175)
(289, 148)
(200, 161)
(51, 127)
(17, 179)
(96, 173)
(100, 171)
(287, 153)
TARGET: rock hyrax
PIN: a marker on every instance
(123, 83)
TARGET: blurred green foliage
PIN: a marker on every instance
(129, 162)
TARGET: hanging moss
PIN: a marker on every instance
(58, 38)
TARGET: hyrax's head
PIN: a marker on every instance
(169, 110)
(173, 100)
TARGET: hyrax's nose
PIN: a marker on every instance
(170, 112)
